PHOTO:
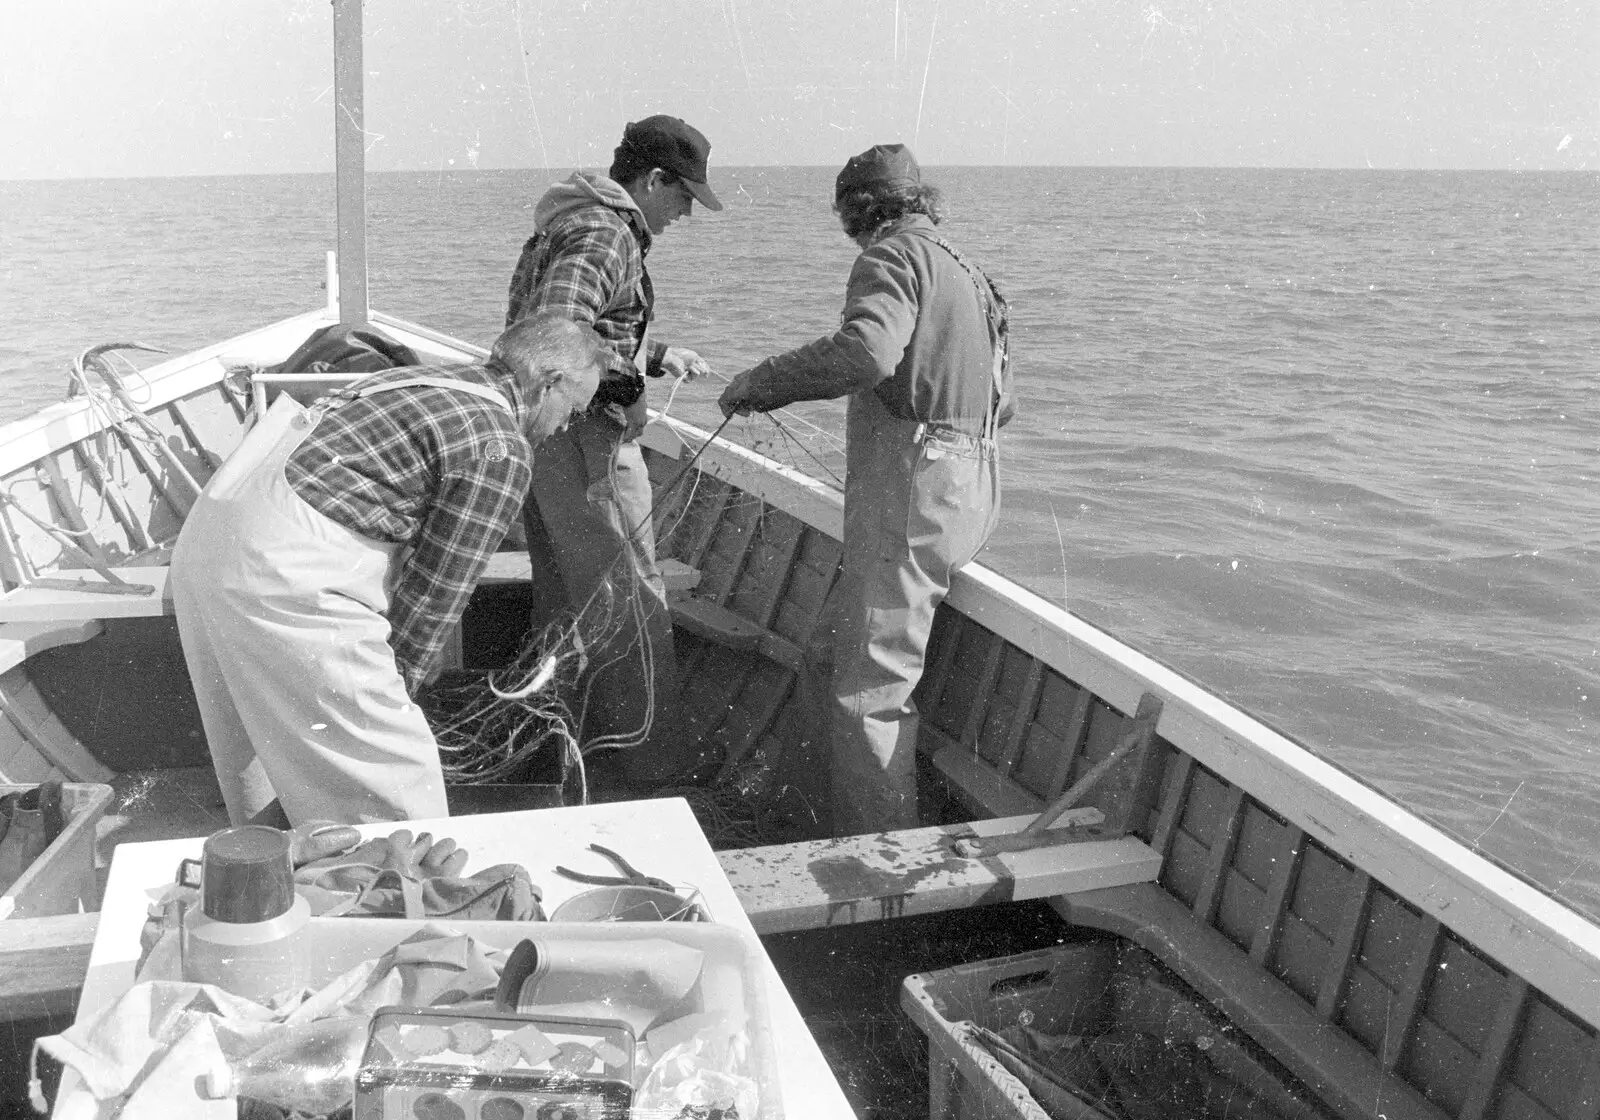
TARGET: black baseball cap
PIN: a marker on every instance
(673, 145)
(882, 165)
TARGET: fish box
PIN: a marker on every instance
(61, 880)
(1077, 1032)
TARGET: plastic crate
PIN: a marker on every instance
(1088, 988)
(62, 879)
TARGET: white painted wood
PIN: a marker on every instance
(1552, 947)
(659, 836)
(427, 342)
(350, 161)
(816, 503)
(915, 871)
(515, 567)
(50, 605)
(25, 441)
(21, 640)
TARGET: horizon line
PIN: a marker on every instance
(817, 167)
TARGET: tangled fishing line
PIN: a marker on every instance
(494, 729)
(504, 727)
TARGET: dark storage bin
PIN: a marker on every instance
(1107, 992)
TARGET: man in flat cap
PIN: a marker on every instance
(588, 514)
(922, 354)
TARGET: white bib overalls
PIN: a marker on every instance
(282, 614)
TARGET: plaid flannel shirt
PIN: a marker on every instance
(441, 472)
(589, 265)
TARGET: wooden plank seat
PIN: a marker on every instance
(31, 603)
(21, 640)
(843, 880)
(1333, 1065)
(706, 619)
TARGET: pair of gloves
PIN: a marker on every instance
(402, 876)
(394, 876)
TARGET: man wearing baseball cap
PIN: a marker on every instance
(922, 354)
(588, 512)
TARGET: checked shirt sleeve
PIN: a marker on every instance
(590, 264)
(474, 506)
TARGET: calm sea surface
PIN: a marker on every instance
(1324, 440)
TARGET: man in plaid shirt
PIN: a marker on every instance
(588, 519)
(320, 575)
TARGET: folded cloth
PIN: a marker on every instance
(162, 1041)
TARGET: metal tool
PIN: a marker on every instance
(1076, 826)
(1038, 833)
(630, 877)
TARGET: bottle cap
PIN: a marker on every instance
(246, 875)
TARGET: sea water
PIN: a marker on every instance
(1325, 441)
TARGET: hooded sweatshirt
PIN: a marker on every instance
(586, 260)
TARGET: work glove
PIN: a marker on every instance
(419, 858)
(316, 840)
(401, 875)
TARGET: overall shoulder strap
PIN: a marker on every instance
(994, 304)
(494, 396)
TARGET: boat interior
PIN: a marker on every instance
(1379, 969)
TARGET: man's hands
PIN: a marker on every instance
(631, 419)
(735, 399)
(679, 361)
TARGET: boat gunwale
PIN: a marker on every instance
(1490, 905)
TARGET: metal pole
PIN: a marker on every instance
(349, 152)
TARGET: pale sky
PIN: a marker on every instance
(201, 87)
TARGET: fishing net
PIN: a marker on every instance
(520, 723)
(524, 721)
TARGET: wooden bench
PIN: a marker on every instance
(840, 881)
(31, 603)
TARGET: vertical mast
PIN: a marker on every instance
(349, 157)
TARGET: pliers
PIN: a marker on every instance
(630, 876)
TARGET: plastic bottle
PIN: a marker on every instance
(311, 1067)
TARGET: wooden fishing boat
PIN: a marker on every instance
(1386, 968)
(1390, 969)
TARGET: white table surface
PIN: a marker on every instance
(659, 837)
